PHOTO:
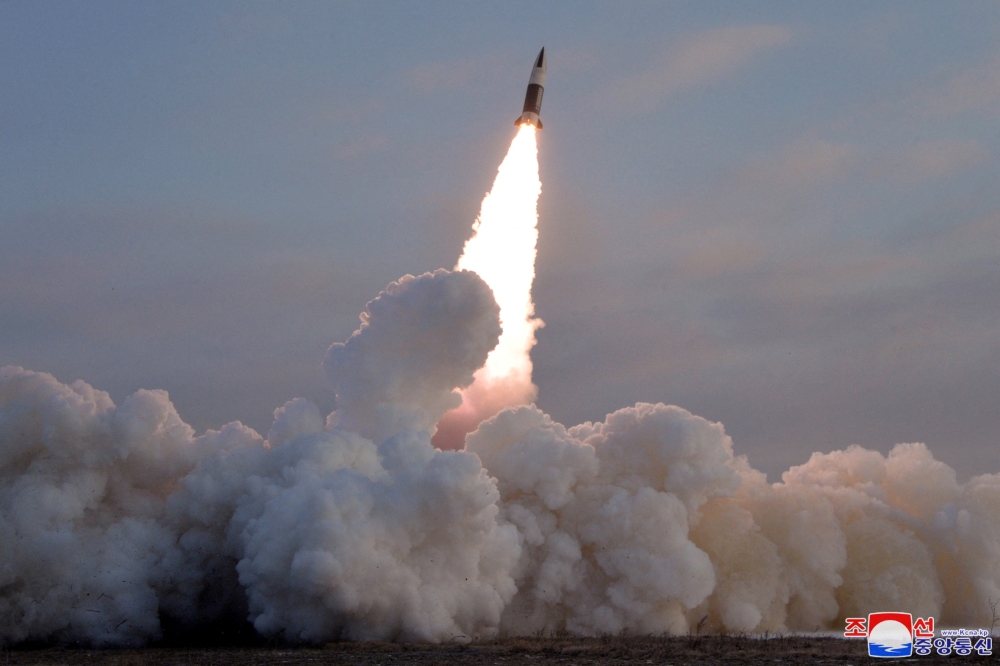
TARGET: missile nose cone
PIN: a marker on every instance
(541, 59)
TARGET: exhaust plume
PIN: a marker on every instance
(502, 252)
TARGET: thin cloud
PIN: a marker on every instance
(361, 147)
(802, 165)
(974, 89)
(699, 60)
(809, 163)
(930, 160)
(434, 76)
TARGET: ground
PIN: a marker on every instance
(566, 651)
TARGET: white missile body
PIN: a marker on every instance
(533, 98)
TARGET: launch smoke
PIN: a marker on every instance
(118, 520)
(115, 517)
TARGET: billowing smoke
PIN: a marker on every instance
(117, 521)
(400, 369)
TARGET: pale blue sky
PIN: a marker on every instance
(780, 215)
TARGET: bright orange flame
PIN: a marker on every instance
(502, 251)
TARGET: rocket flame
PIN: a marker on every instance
(502, 251)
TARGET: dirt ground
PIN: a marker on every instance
(568, 651)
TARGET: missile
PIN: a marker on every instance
(533, 98)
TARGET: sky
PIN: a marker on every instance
(783, 216)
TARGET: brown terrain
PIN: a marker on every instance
(566, 651)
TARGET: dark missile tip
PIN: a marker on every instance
(541, 58)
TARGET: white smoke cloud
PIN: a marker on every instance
(85, 552)
(604, 513)
(335, 534)
(422, 338)
(647, 522)
(115, 520)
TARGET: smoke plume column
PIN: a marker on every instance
(502, 251)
